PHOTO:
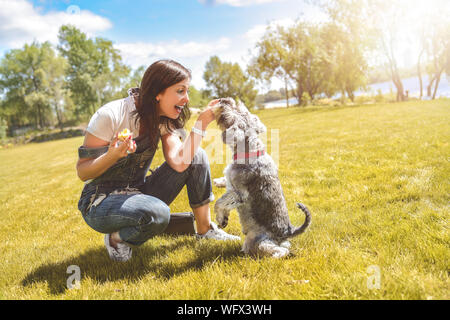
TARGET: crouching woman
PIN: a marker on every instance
(118, 198)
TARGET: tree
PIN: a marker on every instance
(390, 23)
(58, 95)
(228, 80)
(197, 98)
(131, 81)
(439, 51)
(30, 79)
(378, 23)
(318, 58)
(348, 65)
(271, 60)
(307, 63)
(95, 70)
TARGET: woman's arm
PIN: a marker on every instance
(90, 168)
(179, 154)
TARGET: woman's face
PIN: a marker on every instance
(173, 99)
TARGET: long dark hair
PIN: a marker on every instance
(157, 78)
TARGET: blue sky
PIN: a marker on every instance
(189, 31)
(159, 20)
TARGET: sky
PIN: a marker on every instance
(188, 31)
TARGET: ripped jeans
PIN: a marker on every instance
(140, 210)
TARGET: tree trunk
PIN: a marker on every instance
(351, 94)
(342, 96)
(399, 85)
(300, 91)
(59, 117)
(438, 79)
(36, 125)
(394, 70)
(39, 116)
(419, 74)
(286, 92)
(430, 85)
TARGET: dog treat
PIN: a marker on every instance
(124, 134)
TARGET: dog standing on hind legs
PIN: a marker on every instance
(253, 187)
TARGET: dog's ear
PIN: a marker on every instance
(217, 109)
(223, 112)
(257, 124)
(240, 106)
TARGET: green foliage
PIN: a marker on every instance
(272, 95)
(95, 69)
(32, 81)
(319, 59)
(379, 97)
(228, 80)
(3, 129)
(198, 98)
(131, 81)
(305, 99)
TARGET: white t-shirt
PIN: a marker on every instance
(115, 116)
(112, 118)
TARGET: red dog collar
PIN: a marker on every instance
(247, 155)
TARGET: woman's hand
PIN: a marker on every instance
(121, 150)
(207, 115)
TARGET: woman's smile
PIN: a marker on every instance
(179, 108)
(174, 99)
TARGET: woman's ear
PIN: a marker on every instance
(159, 96)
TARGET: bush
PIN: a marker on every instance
(379, 97)
(306, 99)
(3, 129)
(364, 99)
(326, 102)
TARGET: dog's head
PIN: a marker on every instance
(236, 122)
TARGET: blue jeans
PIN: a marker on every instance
(141, 211)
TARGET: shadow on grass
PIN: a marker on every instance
(158, 260)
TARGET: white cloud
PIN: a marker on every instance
(139, 53)
(193, 55)
(238, 3)
(22, 23)
(257, 31)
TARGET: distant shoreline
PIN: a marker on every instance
(411, 84)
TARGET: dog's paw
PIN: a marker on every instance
(285, 244)
(220, 182)
(280, 252)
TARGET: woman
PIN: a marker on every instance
(118, 199)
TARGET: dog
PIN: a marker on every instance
(253, 186)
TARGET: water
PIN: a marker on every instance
(410, 84)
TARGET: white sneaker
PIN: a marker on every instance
(122, 253)
(217, 234)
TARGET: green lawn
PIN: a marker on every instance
(375, 178)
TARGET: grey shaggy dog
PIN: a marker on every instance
(253, 187)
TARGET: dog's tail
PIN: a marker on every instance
(305, 224)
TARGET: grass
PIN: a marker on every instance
(376, 179)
